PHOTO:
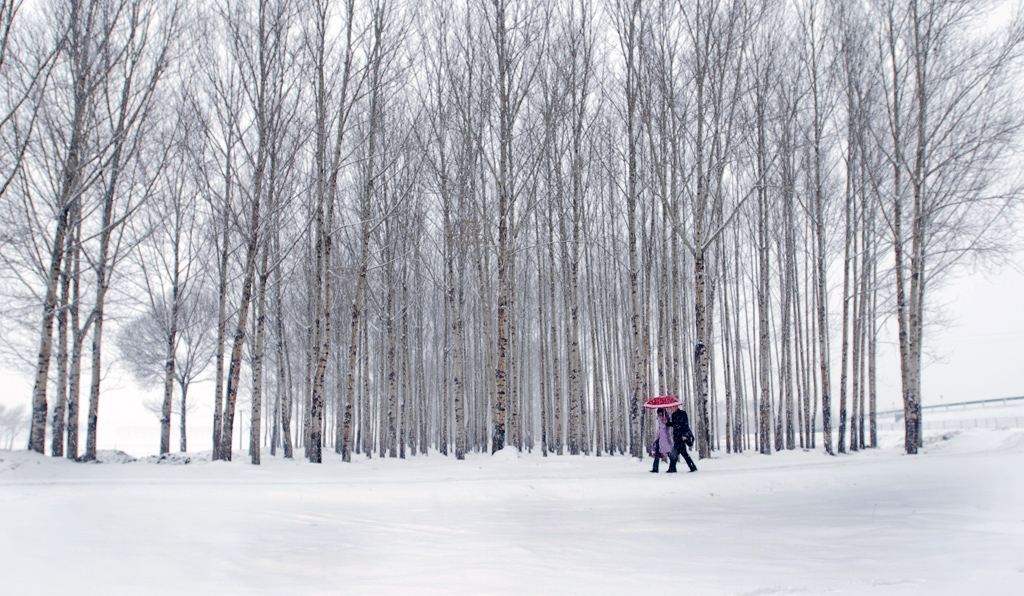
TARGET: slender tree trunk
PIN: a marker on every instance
(70, 180)
(256, 417)
(763, 288)
(169, 355)
(235, 368)
(61, 398)
(222, 297)
(77, 339)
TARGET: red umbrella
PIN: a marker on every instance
(665, 401)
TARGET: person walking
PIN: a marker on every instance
(662, 441)
(681, 437)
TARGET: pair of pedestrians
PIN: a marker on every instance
(672, 443)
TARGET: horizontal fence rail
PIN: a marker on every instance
(1002, 413)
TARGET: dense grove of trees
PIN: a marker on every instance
(383, 227)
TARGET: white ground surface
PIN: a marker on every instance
(947, 521)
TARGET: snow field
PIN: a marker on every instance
(947, 521)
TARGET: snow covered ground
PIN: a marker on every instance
(948, 521)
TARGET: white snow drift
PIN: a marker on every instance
(947, 521)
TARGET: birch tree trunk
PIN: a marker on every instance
(169, 360)
(813, 41)
(270, 27)
(137, 89)
(80, 50)
(256, 417)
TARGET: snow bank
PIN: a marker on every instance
(947, 521)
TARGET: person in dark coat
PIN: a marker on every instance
(681, 437)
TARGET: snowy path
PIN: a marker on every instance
(950, 521)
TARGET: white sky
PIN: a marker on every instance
(981, 354)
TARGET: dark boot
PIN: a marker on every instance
(657, 458)
(689, 462)
(671, 467)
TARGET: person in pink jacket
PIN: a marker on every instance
(662, 445)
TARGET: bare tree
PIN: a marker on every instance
(328, 154)
(12, 422)
(515, 30)
(114, 63)
(763, 81)
(578, 73)
(949, 134)
(452, 155)
(143, 68)
(171, 271)
(814, 57)
(629, 29)
(25, 67)
(717, 34)
(260, 48)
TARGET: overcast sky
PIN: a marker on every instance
(981, 353)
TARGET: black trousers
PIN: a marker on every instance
(679, 448)
(657, 457)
